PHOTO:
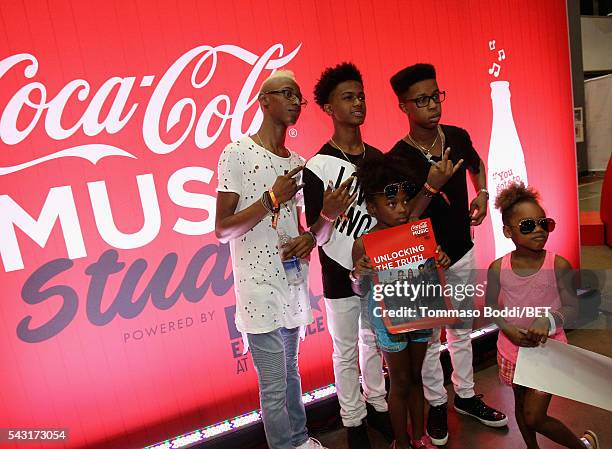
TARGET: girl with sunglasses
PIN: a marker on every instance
(530, 276)
(393, 201)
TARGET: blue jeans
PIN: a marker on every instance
(275, 356)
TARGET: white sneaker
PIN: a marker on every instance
(312, 443)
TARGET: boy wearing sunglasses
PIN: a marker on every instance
(451, 215)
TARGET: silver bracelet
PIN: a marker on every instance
(313, 236)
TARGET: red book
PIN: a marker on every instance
(409, 288)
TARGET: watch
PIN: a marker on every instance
(485, 191)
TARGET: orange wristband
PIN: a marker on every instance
(275, 203)
(430, 188)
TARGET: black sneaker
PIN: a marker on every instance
(381, 422)
(476, 408)
(437, 427)
(358, 437)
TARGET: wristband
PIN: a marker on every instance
(443, 195)
(430, 192)
(275, 203)
(430, 188)
(559, 316)
(553, 326)
(326, 218)
(485, 191)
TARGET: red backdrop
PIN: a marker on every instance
(114, 114)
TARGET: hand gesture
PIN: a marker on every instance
(335, 202)
(478, 209)
(298, 246)
(518, 336)
(442, 259)
(363, 267)
(440, 172)
(538, 331)
(285, 186)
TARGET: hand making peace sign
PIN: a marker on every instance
(335, 202)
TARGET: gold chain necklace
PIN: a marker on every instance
(421, 147)
(427, 151)
(344, 153)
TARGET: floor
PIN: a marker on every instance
(466, 433)
(589, 191)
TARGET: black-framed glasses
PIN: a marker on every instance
(391, 190)
(528, 225)
(424, 100)
(289, 95)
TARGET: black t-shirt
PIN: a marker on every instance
(330, 164)
(451, 223)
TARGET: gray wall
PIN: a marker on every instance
(575, 44)
(596, 33)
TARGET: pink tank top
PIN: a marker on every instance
(536, 290)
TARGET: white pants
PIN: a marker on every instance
(354, 347)
(459, 344)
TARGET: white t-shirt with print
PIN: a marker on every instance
(264, 299)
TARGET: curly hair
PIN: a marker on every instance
(511, 196)
(378, 170)
(402, 80)
(331, 77)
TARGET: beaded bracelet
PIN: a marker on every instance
(427, 193)
(266, 202)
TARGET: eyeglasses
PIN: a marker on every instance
(390, 191)
(528, 225)
(289, 95)
(424, 100)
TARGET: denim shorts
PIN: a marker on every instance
(398, 342)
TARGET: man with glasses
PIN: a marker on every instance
(256, 202)
(451, 216)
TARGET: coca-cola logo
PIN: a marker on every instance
(419, 228)
(107, 112)
(50, 112)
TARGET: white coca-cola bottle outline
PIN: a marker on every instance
(506, 160)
